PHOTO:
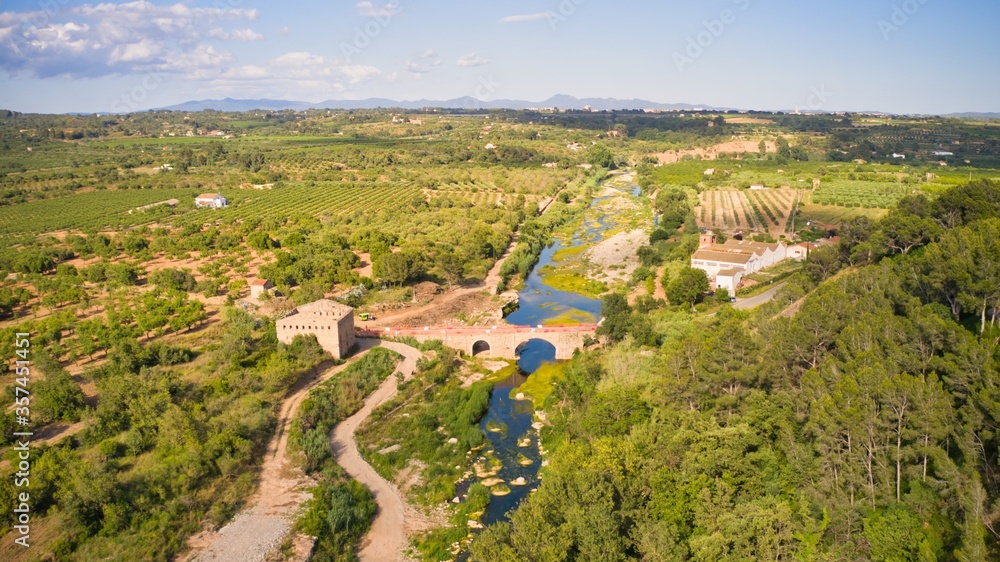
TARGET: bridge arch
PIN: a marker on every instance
(482, 347)
(502, 341)
(534, 352)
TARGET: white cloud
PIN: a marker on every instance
(416, 69)
(356, 74)
(144, 50)
(133, 37)
(206, 58)
(248, 72)
(299, 59)
(369, 10)
(429, 55)
(472, 59)
(294, 75)
(236, 35)
(522, 18)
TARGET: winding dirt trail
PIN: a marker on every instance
(262, 526)
(395, 519)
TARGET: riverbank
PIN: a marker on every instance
(597, 252)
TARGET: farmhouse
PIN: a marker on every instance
(727, 264)
(769, 254)
(260, 286)
(713, 261)
(332, 323)
(800, 252)
(211, 200)
(729, 279)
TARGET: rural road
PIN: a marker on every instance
(387, 537)
(757, 300)
(263, 525)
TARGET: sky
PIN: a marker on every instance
(898, 56)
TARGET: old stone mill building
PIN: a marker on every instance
(331, 322)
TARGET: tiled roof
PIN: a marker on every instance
(747, 244)
(722, 257)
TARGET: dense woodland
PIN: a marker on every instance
(853, 418)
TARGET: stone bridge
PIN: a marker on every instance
(496, 341)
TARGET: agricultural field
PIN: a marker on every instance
(867, 194)
(767, 211)
(91, 211)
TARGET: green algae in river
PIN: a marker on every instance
(573, 282)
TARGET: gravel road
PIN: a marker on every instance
(260, 528)
(387, 537)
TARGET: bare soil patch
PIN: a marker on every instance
(713, 152)
(615, 259)
(366, 264)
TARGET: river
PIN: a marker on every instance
(538, 304)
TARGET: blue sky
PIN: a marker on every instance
(904, 56)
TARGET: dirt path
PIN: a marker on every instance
(261, 527)
(395, 519)
(659, 293)
(739, 213)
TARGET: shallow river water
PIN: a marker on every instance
(539, 303)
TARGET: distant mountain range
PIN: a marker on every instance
(974, 115)
(467, 102)
(560, 101)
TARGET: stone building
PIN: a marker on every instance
(260, 286)
(332, 323)
(721, 262)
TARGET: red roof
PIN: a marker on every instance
(259, 282)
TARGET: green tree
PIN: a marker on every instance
(57, 396)
(600, 156)
(616, 316)
(396, 267)
(687, 288)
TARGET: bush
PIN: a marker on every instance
(338, 516)
(173, 279)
